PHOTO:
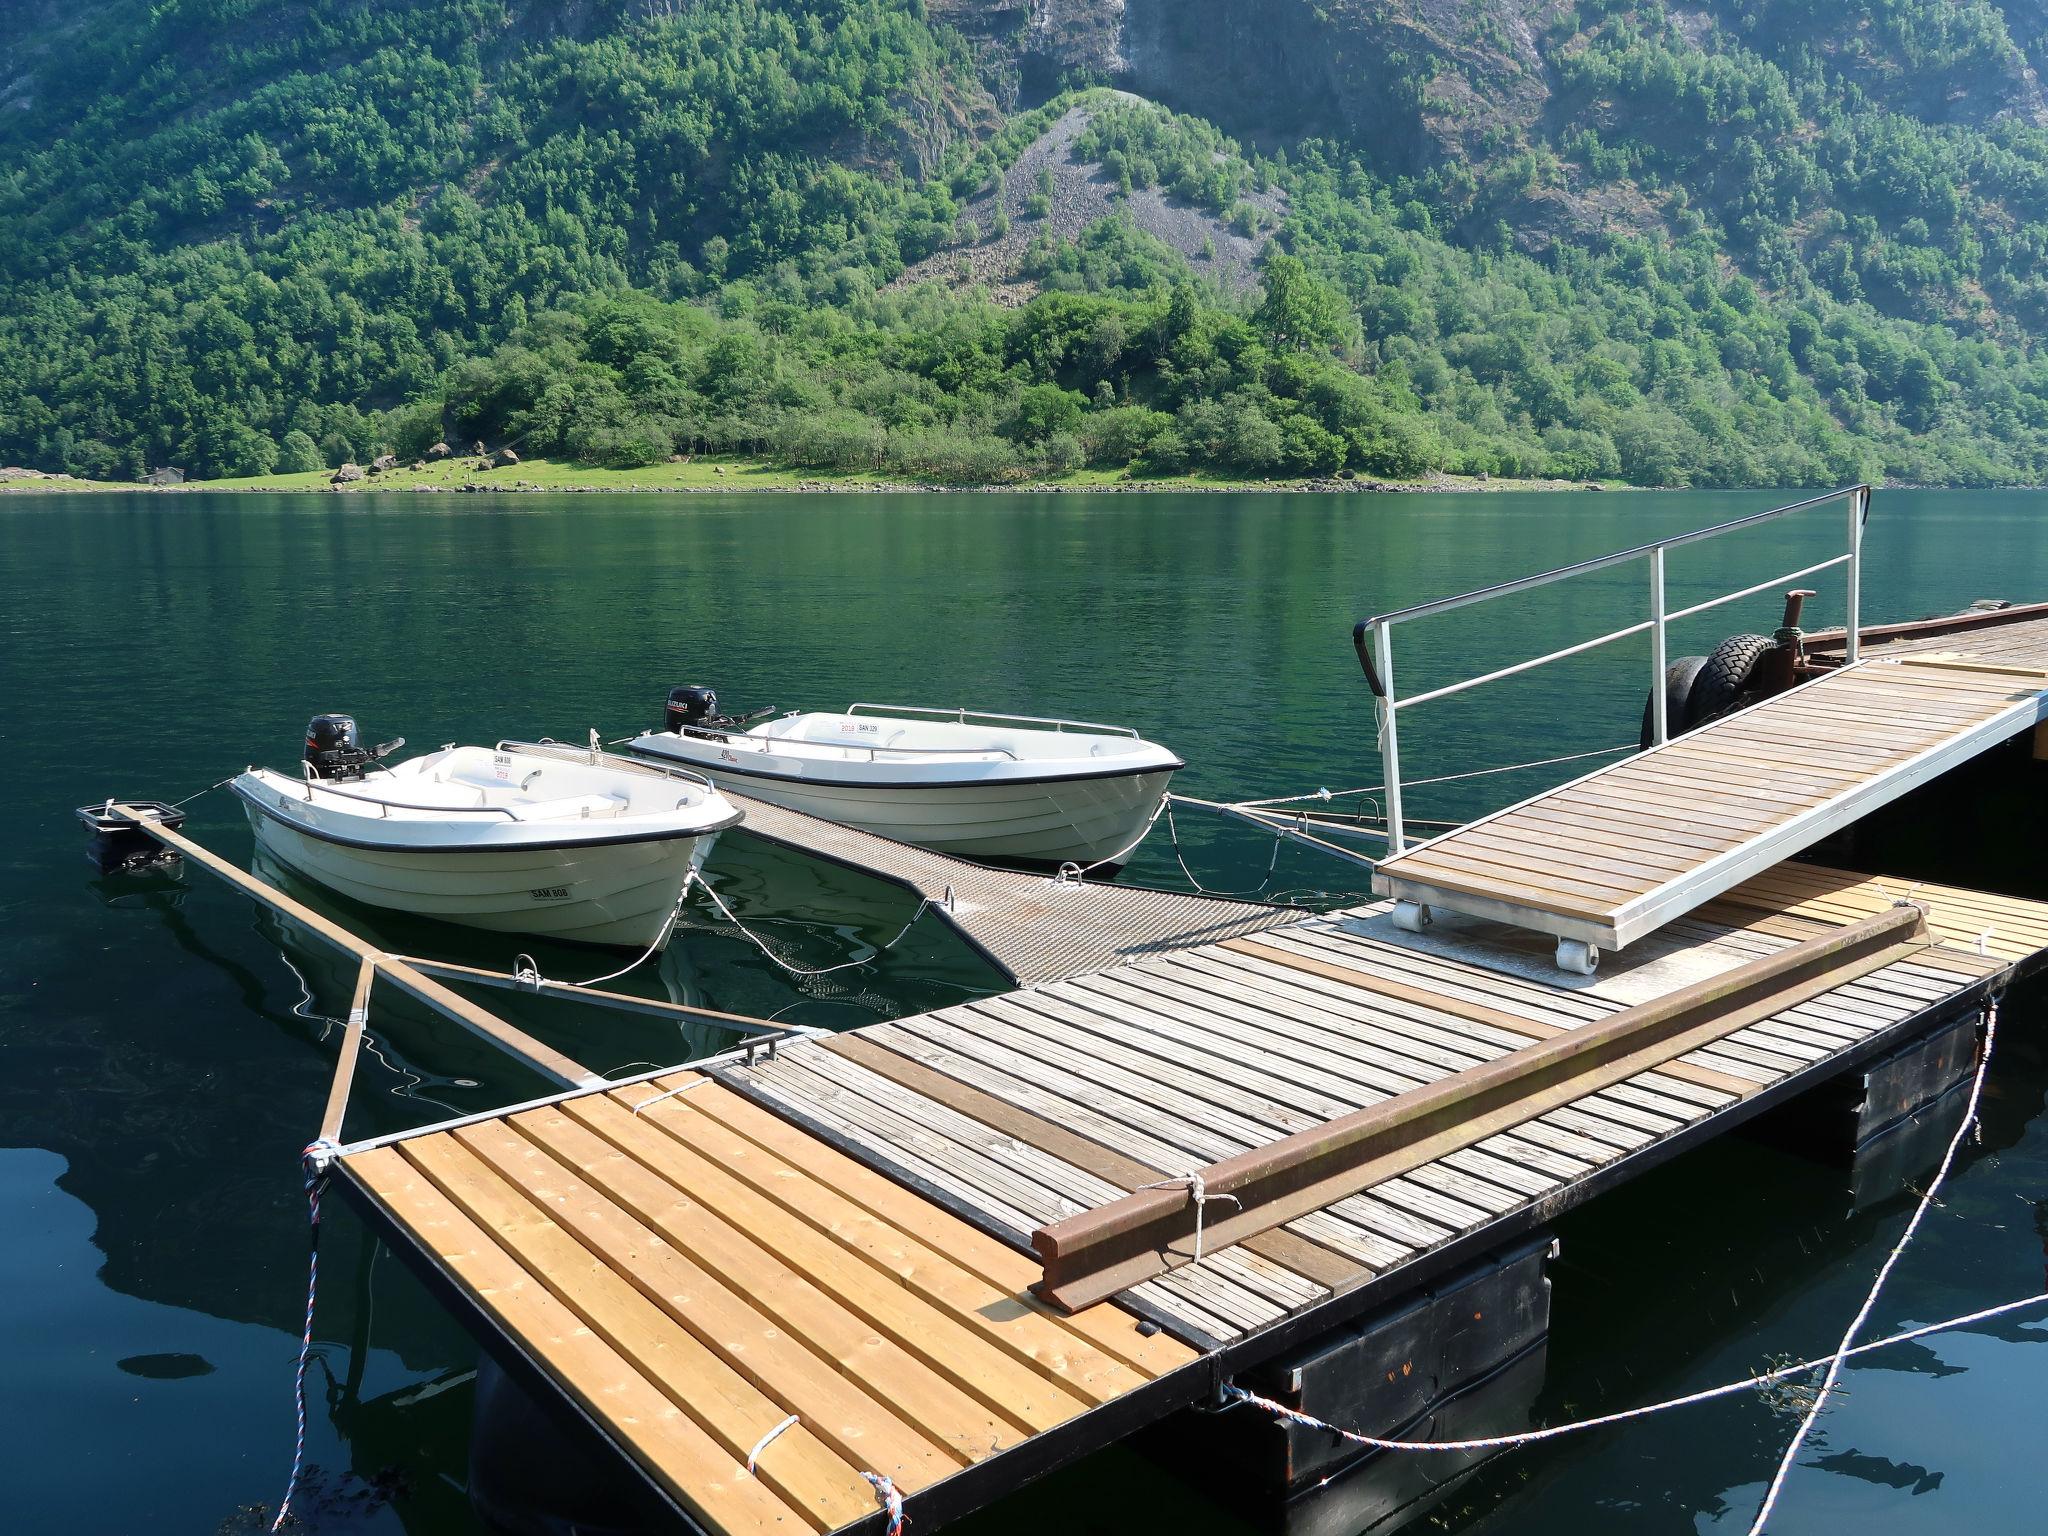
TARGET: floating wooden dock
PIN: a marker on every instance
(1030, 927)
(842, 1230)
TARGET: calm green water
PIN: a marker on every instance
(164, 1051)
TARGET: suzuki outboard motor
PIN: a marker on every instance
(333, 750)
(688, 706)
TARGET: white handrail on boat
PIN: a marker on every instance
(384, 807)
(962, 714)
(768, 745)
(547, 746)
(1374, 637)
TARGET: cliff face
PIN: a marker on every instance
(1415, 82)
(1413, 79)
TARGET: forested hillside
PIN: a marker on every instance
(1731, 242)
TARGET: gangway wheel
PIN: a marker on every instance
(1577, 956)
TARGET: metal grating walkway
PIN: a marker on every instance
(1031, 927)
(1615, 855)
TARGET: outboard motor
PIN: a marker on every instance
(688, 706)
(333, 750)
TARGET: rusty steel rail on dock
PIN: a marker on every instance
(1101, 1252)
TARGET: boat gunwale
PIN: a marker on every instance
(558, 845)
(1174, 764)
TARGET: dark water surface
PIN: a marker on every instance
(165, 1050)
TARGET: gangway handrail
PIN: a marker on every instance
(1376, 634)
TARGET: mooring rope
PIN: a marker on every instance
(1198, 1192)
(892, 1501)
(316, 1181)
(1832, 1363)
(1966, 1129)
(1071, 873)
(767, 1440)
(1235, 1394)
(526, 971)
(223, 784)
(1446, 778)
(718, 901)
(1173, 837)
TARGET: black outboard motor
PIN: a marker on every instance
(688, 706)
(333, 750)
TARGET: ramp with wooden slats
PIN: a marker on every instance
(1617, 854)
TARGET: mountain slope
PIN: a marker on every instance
(1731, 241)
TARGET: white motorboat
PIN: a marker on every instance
(1007, 788)
(523, 837)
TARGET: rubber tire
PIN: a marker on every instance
(1722, 682)
(1678, 683)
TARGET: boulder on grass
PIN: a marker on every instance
(438, 451)
(382, 462)
(507, 456)
(346, 473)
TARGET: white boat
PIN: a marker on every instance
(1005, 788)
(533, 838)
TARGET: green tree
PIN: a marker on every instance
(1299, 311)
(1044, 410)
(297, 455)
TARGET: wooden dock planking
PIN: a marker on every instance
(694, 1470)
(1617, 854)
(2011, 928)
(1151, 1067)
(609, 1246)
(840, 1230)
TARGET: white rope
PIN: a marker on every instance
(528, 973)
(763, 1443)
(1072, 874)
(206, 791)
(798, 970)
(695, 1082)
(1842, 1351)
(1447, 778)
(1199, 1193)
(1236, 1394)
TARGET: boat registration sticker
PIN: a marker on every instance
(858, 727)
(503, 764)
(550, 893)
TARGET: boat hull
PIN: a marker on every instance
(1049, 822)
(618, 893)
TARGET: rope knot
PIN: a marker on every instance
(892, 1501)
(1198, 1192)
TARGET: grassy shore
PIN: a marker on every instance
(716, 474)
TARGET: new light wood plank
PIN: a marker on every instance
(893, 1230)
(800, 1351)
(1011, 1388)
(695, 1470)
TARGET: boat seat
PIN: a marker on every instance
(571, 808)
